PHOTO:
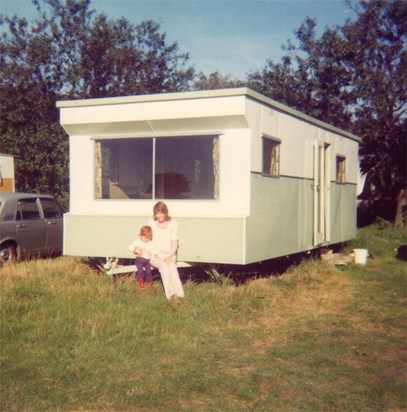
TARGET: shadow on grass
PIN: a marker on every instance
(235, 275)
(240, 274)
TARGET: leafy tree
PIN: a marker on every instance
(379, 74)
(308, 78)
(354, 77)
(69, 52)
(215, 81)
(42, 160)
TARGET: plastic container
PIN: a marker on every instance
(360, 256)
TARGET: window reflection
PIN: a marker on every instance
(184, 168)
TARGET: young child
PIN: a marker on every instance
(144, 249)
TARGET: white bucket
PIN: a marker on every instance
(360, 256)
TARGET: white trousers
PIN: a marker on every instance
(170, 278)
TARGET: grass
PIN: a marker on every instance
(317, 338)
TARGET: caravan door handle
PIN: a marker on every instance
(21, 225)
(51, 223)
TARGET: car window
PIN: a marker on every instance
(28, 210)
(51, 209)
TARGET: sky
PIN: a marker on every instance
(232, 37)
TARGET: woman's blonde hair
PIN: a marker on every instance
(147, 232)
(161, 207)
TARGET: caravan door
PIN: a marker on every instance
(322, 185)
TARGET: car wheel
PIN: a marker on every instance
(7, 254)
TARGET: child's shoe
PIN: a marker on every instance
(141, 283)
(149, 285)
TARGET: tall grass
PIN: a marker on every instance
(317, 338)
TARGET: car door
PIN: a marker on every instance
(53, 218)
(30, 227)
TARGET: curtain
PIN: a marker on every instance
(215, 158)
(98, 170)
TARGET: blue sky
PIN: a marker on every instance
(229, 36)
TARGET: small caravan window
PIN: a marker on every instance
(157, 168)
(340, 169)
(271, 157)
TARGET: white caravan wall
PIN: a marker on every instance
(113, 119)
(234, 181)
(349, 149)
(297, 138)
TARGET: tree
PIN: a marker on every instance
(354, 77)
(215, 81)
(69, 52)
(308, 77)
(42, 160)
(379, 74)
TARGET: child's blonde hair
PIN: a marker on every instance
(147, 232)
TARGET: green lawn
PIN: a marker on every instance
(317, 338)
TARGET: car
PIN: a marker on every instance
(31, 225)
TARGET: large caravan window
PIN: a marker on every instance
(271, 157)
(157, 168)
(340, 169)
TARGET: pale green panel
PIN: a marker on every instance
(100, 235)
(343, 212)
(211, 240)
(350, 212)
(201, 240)
(280, 221)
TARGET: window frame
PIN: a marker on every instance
(340, 169)
(275, 143)
(50, 208)
(28, 214)
(155, 141)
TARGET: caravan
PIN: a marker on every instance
(247, 178)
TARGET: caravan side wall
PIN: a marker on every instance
(288, 214)
(280, 221)
(281, 218)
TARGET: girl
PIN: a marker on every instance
(165, 235)
(143, 248)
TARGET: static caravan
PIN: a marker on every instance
(248, 179)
